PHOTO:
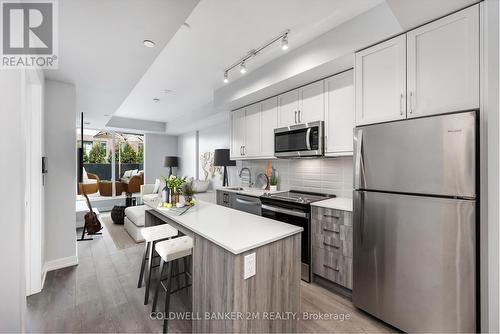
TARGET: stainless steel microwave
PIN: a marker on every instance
(301, 140)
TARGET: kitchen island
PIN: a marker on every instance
(222, 299)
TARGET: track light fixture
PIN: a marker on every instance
(283, 37)
(284, 42)
(243, 68)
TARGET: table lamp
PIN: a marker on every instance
(221, 158)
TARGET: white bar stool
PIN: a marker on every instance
(151, 235)
(170, 251)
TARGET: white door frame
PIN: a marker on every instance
(34, 191)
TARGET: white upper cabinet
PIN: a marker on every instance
(443, 65)
(339, 115)
(252, 130)
(251, 147)
(237, 133)
(268, 122)
(380, 81)
(288, 108)
(312, 105)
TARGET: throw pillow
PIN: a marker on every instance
(135, 172)
(156, 189)
(85, 176)
(127, 174)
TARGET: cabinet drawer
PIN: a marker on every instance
(326, 216)
(333, 266)
(333, 237)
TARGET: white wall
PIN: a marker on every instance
(12, 167)
(490, 162)
(187, 146)
(60, 188)
(212, 138)
(156, 147)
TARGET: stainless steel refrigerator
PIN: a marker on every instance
(415, 206)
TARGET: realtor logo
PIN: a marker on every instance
(29, 34)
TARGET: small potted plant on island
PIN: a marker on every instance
(273, 182)
(187, 192)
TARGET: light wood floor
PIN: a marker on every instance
(101, 295)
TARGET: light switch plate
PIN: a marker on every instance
(250, 265)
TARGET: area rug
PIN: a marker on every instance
(117, 232)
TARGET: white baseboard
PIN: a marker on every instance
(61, 263)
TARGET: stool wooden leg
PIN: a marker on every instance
(148, 277)
(143, 264)
(157, 290)
(177, 272)
(167, 297)
(186, 268)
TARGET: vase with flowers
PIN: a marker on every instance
(175, 184)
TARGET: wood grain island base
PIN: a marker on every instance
(223, 301)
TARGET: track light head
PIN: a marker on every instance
(226, 80)
(284, 42)
(243, 68)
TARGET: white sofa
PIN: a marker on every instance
(147, 192)
(134, 221)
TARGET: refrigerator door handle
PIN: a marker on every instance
(359, 220)
(358, 159)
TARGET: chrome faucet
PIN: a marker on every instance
(249, 175)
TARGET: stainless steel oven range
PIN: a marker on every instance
(294, 207)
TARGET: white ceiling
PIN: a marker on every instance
(101, 49)
(192, 63)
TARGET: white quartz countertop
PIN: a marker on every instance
(254, 192)
(233, 230)
(337, 203)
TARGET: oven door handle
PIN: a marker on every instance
(308, 139)
(242, 201)
(285, 211)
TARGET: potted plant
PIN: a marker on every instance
(188, 192)
(175, 184)
(273, 181)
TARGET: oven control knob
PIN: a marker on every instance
(300, 200)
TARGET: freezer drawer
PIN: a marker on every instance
(432, 155)
(414, 261)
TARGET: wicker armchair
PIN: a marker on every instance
(135, 183)
(89, 188)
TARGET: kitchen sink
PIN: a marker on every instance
(236, 188)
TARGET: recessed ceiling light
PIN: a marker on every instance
(226, 80)
(149, 43)
(106, 115)
(187, 25)
(86, 123)
(166, 91)
(156, 100)
(243, 68)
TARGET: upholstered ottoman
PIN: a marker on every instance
(134, 221)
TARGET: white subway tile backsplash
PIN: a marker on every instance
(331, 176)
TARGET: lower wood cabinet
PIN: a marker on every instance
(332, 245)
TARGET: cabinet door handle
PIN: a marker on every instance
(329, 230)
(299, 116)
(244, 150)
(411, 102)
(401, 104)
(330, 245)
(330, 267)
(331, 216)
(295, 117)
